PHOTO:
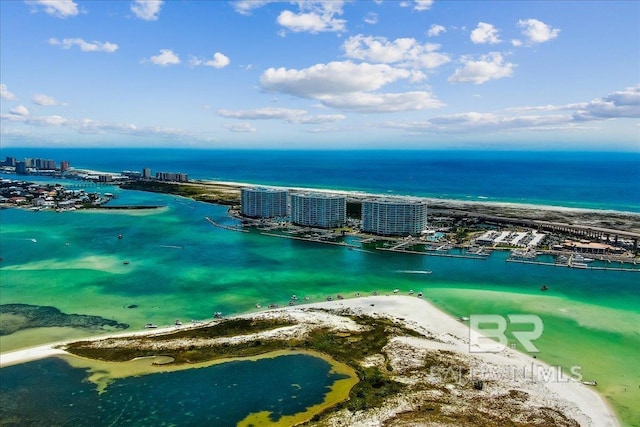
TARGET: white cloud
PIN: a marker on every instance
(624, 104)
(57, 8)
(219, 61)
(165, 57)
(347, 85)
(245, 7)
(45, 100)
(239, 127)
(314, 17)
(382, 102)
(84, 46)
(371, 18)
(147, 10)
(435, 30)
(330, 79)
(403, 51)
(537, 31)
(485, 33)
(20, 110)
(621, 104)
(516, 42)
(423, 5)
(5, 94)
(286, 114)
(488, 67)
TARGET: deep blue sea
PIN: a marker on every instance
(572, 179)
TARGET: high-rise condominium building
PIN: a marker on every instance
(264, 202)
(391, 217)
(318, 210)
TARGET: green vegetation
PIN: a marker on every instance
(209, 193)
(192, 346)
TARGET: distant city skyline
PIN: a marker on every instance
(422, 74)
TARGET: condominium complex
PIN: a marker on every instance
(264, 202)
(394, 217)
(318, 210)
(170, 176)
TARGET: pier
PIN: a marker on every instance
(571, 265)
(225, 227)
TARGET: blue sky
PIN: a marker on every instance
(306, 74)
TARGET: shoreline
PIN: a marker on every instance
(452, 335)
(454, 202)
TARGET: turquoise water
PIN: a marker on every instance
(181, 267)
(219, 395)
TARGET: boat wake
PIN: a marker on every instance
(414, 271)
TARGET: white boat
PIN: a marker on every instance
(150, 326)
(258, 305)
(594, 383)
(580, 258)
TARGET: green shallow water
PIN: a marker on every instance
(181, 267)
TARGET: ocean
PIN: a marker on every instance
(181, 267)
(572, 179)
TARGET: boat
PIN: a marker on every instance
(306, 298)
(177, 323)
(329, 299)
(580, 258)
(411, 292)
(258, 305)
(126, 262)
(119, 236)
(291, 303)
(579, 265)
(150, 326)
(544, 288)
(217, 315)
(396, 290)
(294, 297)
(463, 318)
(419, 294)
(273, 305)
(593, 383)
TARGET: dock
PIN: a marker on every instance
(434, 253)
(313, 240)
(225, 227)
(570, 265)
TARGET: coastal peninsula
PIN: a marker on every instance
(412, 363)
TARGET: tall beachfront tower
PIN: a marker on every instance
(318, 210)
(264, 202)
(394, 217)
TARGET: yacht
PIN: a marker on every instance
(150, 326)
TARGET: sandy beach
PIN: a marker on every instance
(501, 371)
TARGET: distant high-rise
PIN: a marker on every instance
(391, 217)
(146, 173)
(264, 202)
(21, 168)
(10, 161)
(173, 177)
(64, 166)
(44, 164)
(318, 210)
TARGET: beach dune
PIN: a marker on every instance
(440, 332)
